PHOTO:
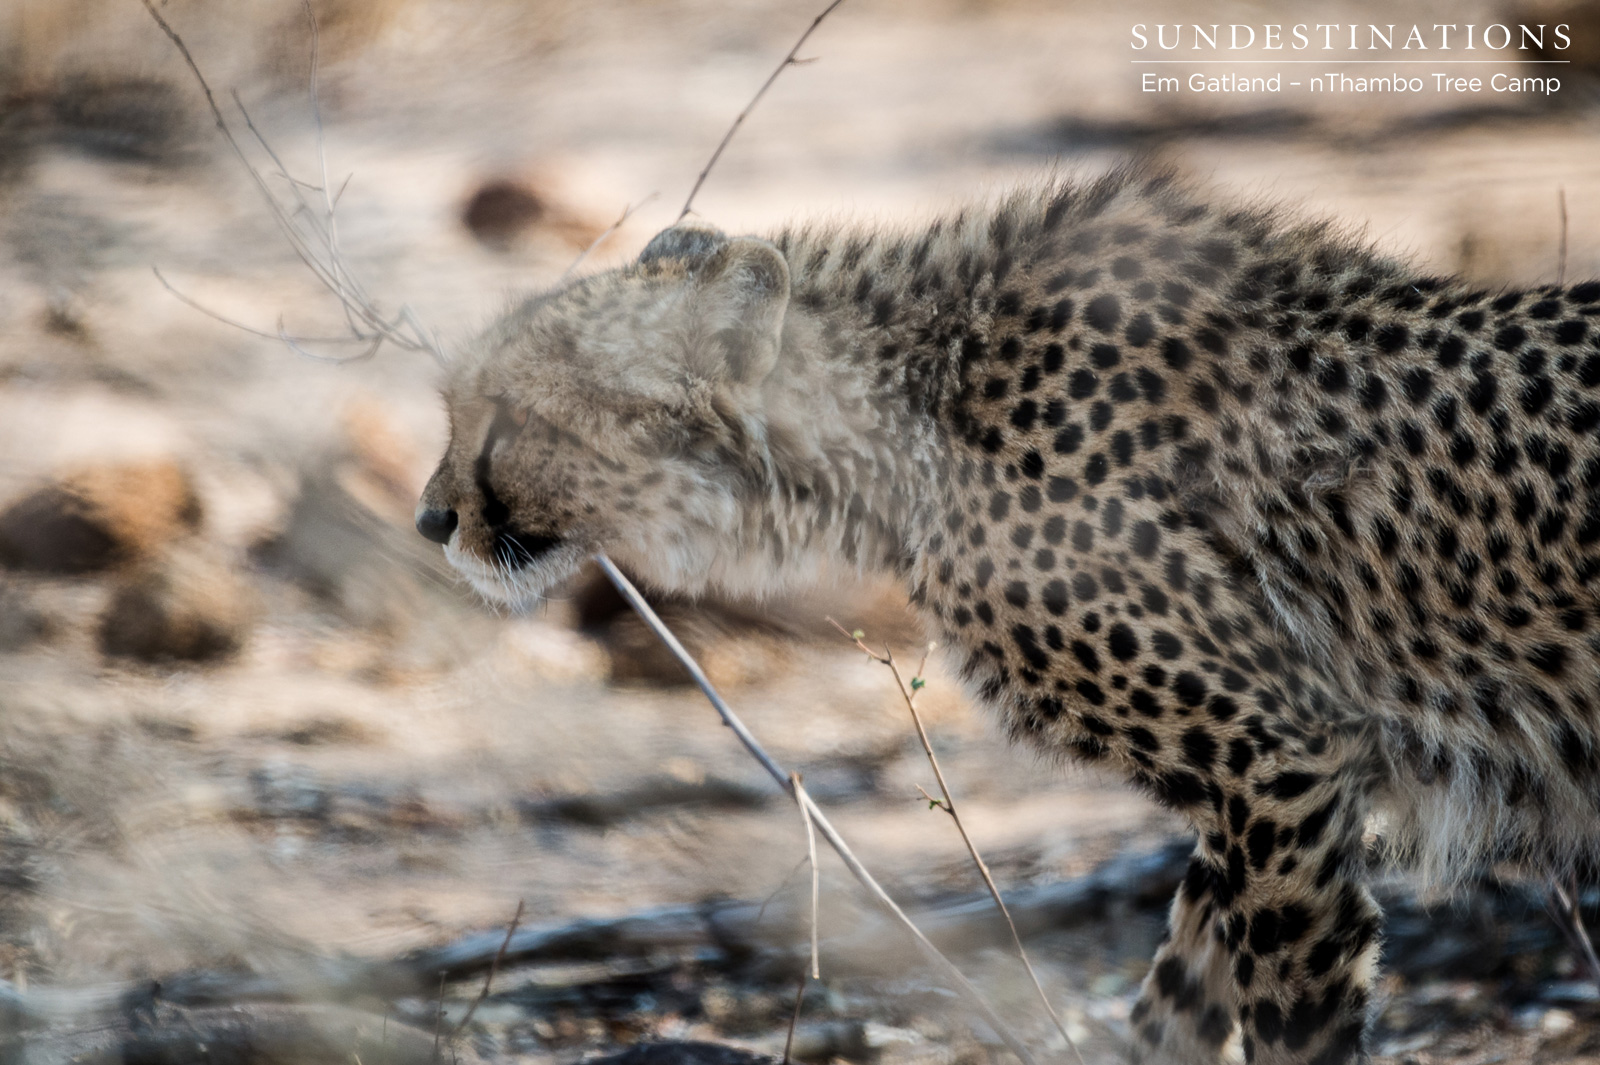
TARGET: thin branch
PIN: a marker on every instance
(780, 776)
(815, 970)
(908, 692)
(1575, 928)
(605, 235)
(236, 324)
(438, 1018)
(816, 873)
(314, 239)
(794, 1019)
(1561, 256)
(494, 967)
(788, 61)
(762, 910)
(322, 159)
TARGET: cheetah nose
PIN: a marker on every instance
(436, 525)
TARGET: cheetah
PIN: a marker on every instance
(1294, 537)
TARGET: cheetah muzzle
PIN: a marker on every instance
(1289, 534)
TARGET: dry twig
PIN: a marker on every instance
(788, 61)
(311, 230)
(814, 972)
(1561, 254)
(794, 1018)
(625, 587)
(1566, 897)
(488, 978)
(816, 874)
(605, 235)
(438, 1018)
(908, 692)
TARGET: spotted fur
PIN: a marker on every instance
(1294, 537)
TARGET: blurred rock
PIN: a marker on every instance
(99, 517)
(500, 211)
(128, 118)
(186, 607)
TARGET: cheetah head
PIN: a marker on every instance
(622, 413)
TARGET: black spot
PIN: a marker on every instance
(1260, 843)
(1178, 790)
(1289, 785)
(1122, 643)
(1166, 645)
(1549, 658)
(1391, 338)
(1028, 644)
(1374, 393)
(1333, 376)
(1214, 1026)
(1509, 337)
(1268, 1020)
(1189, 687)
(1103, 313)
(1536, 394)
(1060, 490)
(1177, 353)
(1418, 383)
(1146, 539)
(1199, 748)
(1151, 384)
(1450, 351)
(1140, 331)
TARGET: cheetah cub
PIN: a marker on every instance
(1289, 534)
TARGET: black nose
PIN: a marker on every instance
(437, 525)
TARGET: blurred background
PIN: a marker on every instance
(248, 721)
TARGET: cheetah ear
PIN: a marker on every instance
(743, 294)
(691, 242)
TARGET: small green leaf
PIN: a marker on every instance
(858, 635)
(935, 804)
(917, 684)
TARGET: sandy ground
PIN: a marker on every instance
(371, 767)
